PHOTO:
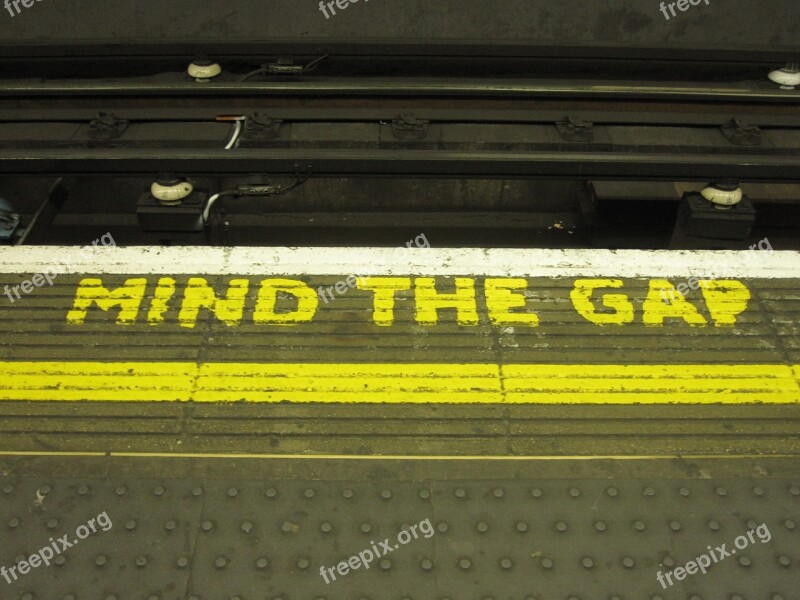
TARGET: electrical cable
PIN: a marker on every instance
(252, 190)
(236, 133)
(252, 74)
(213, 200)
(315, 63)
(266, 68)
(296, 184)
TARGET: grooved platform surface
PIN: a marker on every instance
(465, 352)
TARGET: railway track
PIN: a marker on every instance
(735, 125)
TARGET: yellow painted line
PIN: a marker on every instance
(399, 383)
(387, 457)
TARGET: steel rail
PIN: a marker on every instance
(677, 166)
(409, 88)
(375, 111)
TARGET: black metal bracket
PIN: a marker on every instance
(259, 126)
(703, 225)
(37, 230)
(185, 216)
(575, 130)
(408, 127)
(741, 134)
(9, 222)
(107, 127)
(285, 65)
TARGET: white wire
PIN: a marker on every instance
(207, 210)
(236, 133)
(234, 138)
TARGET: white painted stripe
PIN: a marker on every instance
(401, 261)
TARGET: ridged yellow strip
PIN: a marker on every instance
(651, 384)
(400, 383)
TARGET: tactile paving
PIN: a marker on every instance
(517, 538)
